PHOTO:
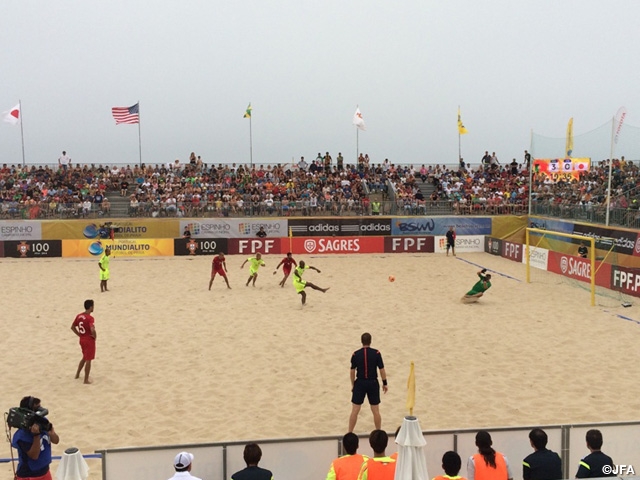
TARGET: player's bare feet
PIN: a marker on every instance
(325, 289)
(77, 376)
(88, 381)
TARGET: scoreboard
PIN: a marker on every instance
(561, 168)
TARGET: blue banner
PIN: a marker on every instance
(440, 225)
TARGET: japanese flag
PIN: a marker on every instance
(12, 116)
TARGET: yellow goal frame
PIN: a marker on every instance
(592, 254)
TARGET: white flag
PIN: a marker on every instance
(620, 116)
(12, 116)
(358, 121)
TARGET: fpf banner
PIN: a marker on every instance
(557, 169)
(157, 247)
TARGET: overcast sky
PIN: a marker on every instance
(512, 66)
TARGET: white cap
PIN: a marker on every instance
(183, 460)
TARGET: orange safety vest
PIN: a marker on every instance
(381, 468)
(348, 467)
(486, 472)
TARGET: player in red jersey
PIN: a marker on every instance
(286, 267)
(83, 327)
(219, 266)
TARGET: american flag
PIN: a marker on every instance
(126, 114)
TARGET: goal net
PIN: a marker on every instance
(580, 261)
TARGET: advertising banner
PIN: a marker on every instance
(626, 280)
(551, 224)
(440, 225)
(408, 244)
(33, 249)
(493, 246)
(199, 246)
(338, 245)
(348, 227)
(538, 258)
(122, 229)
(20, 230)
(464, 243)
(624, 241)
(557, 169)
(234, 227)
(155, 247)
(1, 249)
(512, 251)
(266, 246)
(579, 268)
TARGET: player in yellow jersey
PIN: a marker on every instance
(254, 264)
(301, 284)
(104, 270)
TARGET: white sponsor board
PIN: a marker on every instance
(20, 230)
(539, 258)
(234, 227)
(464, 243)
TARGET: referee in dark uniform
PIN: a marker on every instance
(365, 364)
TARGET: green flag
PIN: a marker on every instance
(247, 114)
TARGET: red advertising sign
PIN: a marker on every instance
(579, 268)
(267, 246)
(636, 246)
(336, 245)
(408, 244)
(512, 251)
(626, 280)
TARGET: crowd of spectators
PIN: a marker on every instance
(323, 186)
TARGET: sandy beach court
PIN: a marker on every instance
(177, 363)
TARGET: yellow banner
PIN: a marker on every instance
(94, 229)
(156, 247)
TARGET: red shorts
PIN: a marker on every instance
(46, 476)
(88, 345)
(219, 271)
(286, 270)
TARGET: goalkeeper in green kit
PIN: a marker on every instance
(479, 288)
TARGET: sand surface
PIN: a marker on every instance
(177, 363)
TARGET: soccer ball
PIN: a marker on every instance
(392, 278)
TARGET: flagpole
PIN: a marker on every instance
(21, 131)
(459, 135)
(250, 142)
(530, 169)
(357, 145)
(613, 129)
(139, 136)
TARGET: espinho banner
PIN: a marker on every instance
(20, 230)
(155, 247)
(440, 225)
(33, 249)
(120, 229)
(234, 227)
(464, 243)
(199, 246)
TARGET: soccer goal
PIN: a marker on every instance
(580, 261)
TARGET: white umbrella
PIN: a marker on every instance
(412, 464)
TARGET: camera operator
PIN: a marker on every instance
(34, 444)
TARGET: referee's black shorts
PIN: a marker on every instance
(366, 388)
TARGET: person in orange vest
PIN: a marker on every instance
(487, 464)
(451, 464)
(380, 467)
(347, 467)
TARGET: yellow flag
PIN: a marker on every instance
(247, 113)
(461, 129)
(411, 390)
(570, 138)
